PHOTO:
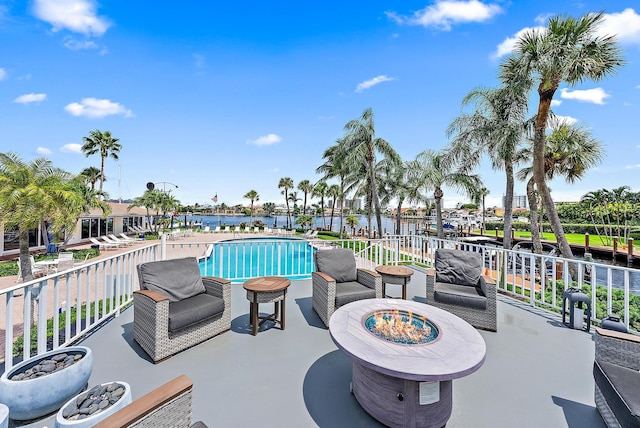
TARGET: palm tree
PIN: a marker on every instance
(103, 143)
(360, 143)
(334, 192)
(569, 152)
(293, 198)
(437, 171)
(402, 181)
(352, 222)
(568, 50)
(598, 202)
(335, 166)
(31, 192)
(497, 127)
(253, 196)
(320, 191)
(305, 187)
(286, 183)
(91, 175)
(151, 201)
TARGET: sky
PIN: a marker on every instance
(219, 98)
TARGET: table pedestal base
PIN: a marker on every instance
(396, 402)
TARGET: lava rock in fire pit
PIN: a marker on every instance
(48, 366)
(97, 399)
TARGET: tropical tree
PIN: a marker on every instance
(439, 170)
(497, 127)
(352, 222)
(269, 208)
(568, 50)
(320, 191)
(360, 143)
(402, 182)
(293, 198)
(253, 196)
(334, 192)
(306, 188)
(31, 192)
(305, 221)
(570, 150)
(286, 183)
(151, 200)
(91, 175)
(335, 166)
(104, 144)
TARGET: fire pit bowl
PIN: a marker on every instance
(400, 326)
(33, 398)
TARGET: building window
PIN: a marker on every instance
(85, 229)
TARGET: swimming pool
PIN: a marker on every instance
(242, 259)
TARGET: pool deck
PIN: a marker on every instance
(537, 372)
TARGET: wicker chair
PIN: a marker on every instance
(616, 378)
(337, 282)
(166, 406)
(458, 286)
(176, 308)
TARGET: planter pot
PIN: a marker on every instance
(93, 419)
(30, 399)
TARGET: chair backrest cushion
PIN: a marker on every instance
(458, 267)
(338, 263)
(178, 279)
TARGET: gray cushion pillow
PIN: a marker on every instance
(178, 279)
(339, 264)
(458, 267)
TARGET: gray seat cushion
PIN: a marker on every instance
(178, 279)
(339, 264)
(458, 267)
(347, 292)
(460, 295)
(193, 310)
(621, 388)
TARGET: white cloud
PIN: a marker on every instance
(444, 13)
(97, 108)
(3, 74)
(78, 16)
(71, 148)
(595, 95)
(624, 25)
(30, 98)
(77, 45)
(372, 82)
(562, 120)
(43, 151)
(508, 45)
(556, 102)
(637, 166)
(266, 140)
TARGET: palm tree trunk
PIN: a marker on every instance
(546, 95)
(533, 216)
(101, 175)
(437, 195)
(333, 210)
(398, 217)
(508, 202)
(25, 262)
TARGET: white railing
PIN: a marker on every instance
(105, 287)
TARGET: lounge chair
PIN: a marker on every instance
(457, 285)
(65, 262)
(176, 308)
(207, 229)
(103, 245)
(125, 237)
(169, 405)
(337, 282)
(256, 229)
(127, 242)
(313, 235)
(227, 229)
(217, 230)
(106, 239)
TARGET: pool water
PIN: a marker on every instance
(242, 259)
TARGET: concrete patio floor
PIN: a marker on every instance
(537, 373)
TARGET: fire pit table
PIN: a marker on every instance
(405, 356)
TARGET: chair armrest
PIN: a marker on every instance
(218, 287)
(148, 403)
(324, 276)
(618, 348)
(153, 295)
(372, 280)
(431, 272)
(488, 280)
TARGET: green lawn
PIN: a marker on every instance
(573, 238)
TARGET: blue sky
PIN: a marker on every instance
(225, 97)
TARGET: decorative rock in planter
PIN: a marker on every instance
(90, 407)
(59, 375)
